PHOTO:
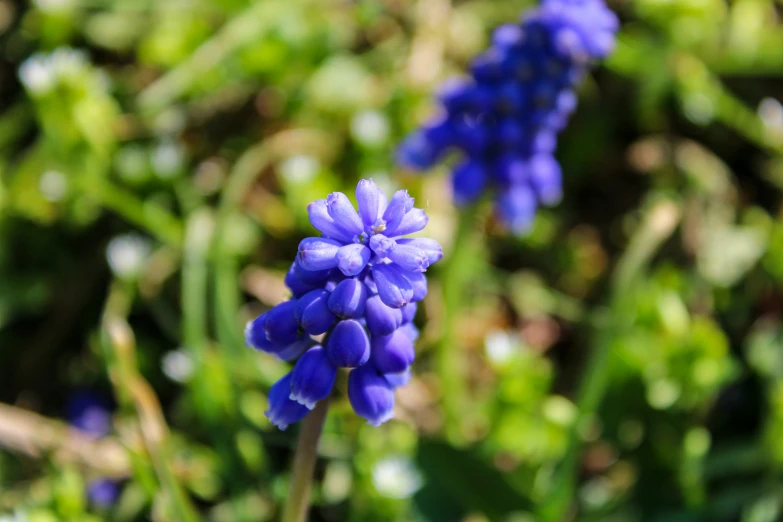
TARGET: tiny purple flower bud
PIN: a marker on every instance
(348, 345)
(321, 220)
(368, 198)
(429, 246)
(280, 324)
(546, 178)
(313, 278)
(382, 245)
(255, 336)
(410, 331)
(295, 349)
(341, 210)
(351, 259)
(418, 282)
(517, 208)
(103, 492)
(392, 353)
(413, 221)
(312, 312)
(396, 380)
(454, 94)
(408, 312)
(313, 378)
(318, 253)
(371, 395)
(393, 287)
(417, 152)
(400, 203)
(410, 258)
(509, 36)
(511, 169)
(381, 319)
(296, 285)
(348, 299)
(283, 411)
(468, 181)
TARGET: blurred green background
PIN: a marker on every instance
(156, 159)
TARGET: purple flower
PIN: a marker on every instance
(103, 492)
(358, 284)
(506, 116)
(369, 244)
(90, 413)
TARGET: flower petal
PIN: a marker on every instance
(429, 246)
(413, 221)
(400, 203)
(410, 258)
(321, 220)
(341, 210)
(318, 253)
(368, 198)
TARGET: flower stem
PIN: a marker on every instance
(660, 221)
(457, 274)
(304, 464)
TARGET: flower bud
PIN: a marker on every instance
(348, 345)
(351, 259)
(313, 378)
(410, 258)
(408, 312)
(392, 353)
(341, 210)
(283, 411)
(296, 285)
(318, 253)
(368, 198)
(418, 282)
(280, 324)
(312, 312)
(394, 289)
(371, 395)
(381, 319)
(348, 299)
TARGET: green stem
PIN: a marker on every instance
(659, 223)
(227, 297)
(298, 500)
(152, 217)
(457, 274)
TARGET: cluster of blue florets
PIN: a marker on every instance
(90, 413)
(358, 284)
(505, 118)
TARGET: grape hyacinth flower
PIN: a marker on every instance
(90, 413)
(505, 118)
(358, 284)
